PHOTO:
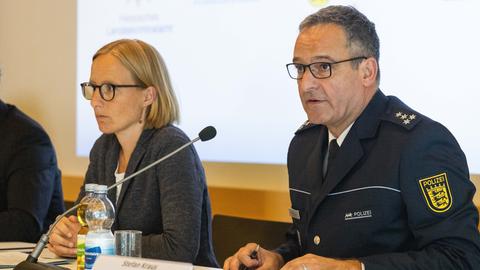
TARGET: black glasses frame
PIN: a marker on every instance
(328, 64)
(111, 86)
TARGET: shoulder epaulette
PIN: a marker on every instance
(404, 117)
(399, 113)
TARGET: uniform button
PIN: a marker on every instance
(316, 240)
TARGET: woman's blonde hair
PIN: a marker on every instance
(148, 68)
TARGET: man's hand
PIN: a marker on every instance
(265, 259)
(63, 239)
(314, 262)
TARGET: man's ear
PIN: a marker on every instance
(150, 95)
(369, 70)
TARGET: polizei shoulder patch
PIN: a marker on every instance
(437, 192)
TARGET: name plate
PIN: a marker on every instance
(108, 262)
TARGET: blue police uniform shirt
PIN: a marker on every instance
(397, 197)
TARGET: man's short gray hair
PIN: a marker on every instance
(362, 38)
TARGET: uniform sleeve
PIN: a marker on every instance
(437, 194)
(32, 170)
(181, 184)
(290, 249)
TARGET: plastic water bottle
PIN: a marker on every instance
(89, 193)
(99, 215)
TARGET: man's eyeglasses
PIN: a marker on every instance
(319, 70)
(107, 90)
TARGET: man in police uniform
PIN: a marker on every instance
(373, 184)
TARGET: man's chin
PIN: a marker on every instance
(316, 120)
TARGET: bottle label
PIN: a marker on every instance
(90, 256)
(92, 253)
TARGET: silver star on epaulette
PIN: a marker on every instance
(406, 121)
(404, 116)
(412, 116)
(398, 114)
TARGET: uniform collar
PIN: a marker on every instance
(342, 136)
(367, 123)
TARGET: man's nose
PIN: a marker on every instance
(307, 80)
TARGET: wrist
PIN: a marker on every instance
(278, 259)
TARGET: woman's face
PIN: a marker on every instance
(123, 113)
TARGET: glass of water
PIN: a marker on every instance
(128, 243)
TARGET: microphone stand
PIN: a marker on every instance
(31, 263)
(154, 163)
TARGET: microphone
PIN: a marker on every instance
(205, 134)
(31, 263)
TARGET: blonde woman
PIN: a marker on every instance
(134, 105)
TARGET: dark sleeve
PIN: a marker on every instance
(437, 194)
(32, 171)
(290, 249)
(181, 183)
